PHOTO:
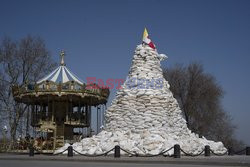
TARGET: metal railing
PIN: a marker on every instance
(178, 151)
(29, 148)
(69, 87)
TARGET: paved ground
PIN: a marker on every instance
(10, 160)
(26, 163)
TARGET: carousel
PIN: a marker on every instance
(59, 104)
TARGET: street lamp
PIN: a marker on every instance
(5, 131)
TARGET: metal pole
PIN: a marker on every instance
(247, 150)
(102, 114)
(5, 140)
(97, 120)
(70, 151)
(31, 151)
(117, 152)
(177, 151)
(90, 131)
(207, 150)
(79, 112)
(230, 151)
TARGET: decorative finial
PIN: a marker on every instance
(145, 34)
(62, 58)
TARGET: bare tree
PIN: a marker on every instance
(199, 96)
(21, 61)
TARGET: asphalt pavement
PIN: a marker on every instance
(27, 163)
(10, 160)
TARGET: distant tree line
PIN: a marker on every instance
(199, 96)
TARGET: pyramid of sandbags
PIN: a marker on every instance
(144, 117)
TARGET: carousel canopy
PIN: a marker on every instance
(61, 74)
(62, 85)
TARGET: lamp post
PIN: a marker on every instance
(5, 131)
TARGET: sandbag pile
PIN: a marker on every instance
(144, 117)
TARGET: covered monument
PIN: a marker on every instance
(59, 103)
(144, 117)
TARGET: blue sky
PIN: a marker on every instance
(99, 38)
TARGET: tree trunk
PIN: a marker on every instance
(13, 134)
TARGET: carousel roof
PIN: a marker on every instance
(61, 74)
(76, 91)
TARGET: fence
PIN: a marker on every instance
(178, 151)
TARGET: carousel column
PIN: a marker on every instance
(28, 120)
(79, 119)
(102, 116)
(67, 111)
(41, 111)
(83, 119)
(53, 120)
(79, 112)
(90, 115)
(33, 119)
(48, 111)
(70, 111)
(97, 120)
(36, 117)
(89, 120)
(53, 111)
(101, 112)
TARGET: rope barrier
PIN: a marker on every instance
(161, 153)
(167, 150)
(192, 155)
(136, 154)
(149, 155)
(130, 153)
(222, 154)
(238, 152)
(61, 152)
(95, 155)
